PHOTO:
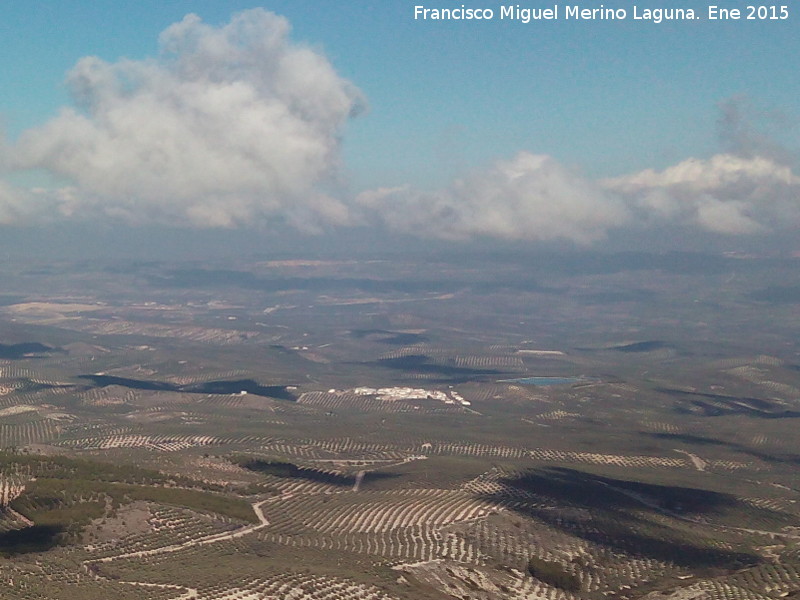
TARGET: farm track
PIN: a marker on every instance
(359, 479)
(189, 593)
(19, 517)
(698, 462)
(211, 539)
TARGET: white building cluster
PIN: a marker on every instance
(393, 394)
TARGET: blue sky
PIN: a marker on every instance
(447, 99)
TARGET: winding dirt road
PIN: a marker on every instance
(189, 593)
(211, 539)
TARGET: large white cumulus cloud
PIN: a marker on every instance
(228, 126)
(530, 197)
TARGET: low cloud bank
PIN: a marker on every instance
(12, 204)
(724, 194)
(535, 198)
(530, 197)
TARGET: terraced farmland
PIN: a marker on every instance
(340, 437)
